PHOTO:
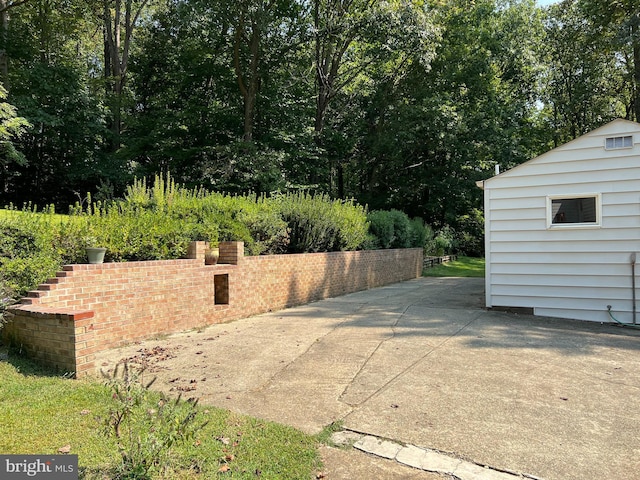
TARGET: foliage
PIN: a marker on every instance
(213, 216)
(419, 232)
(398, 104)
(394, 229)
(44, 412)
(7, 298)
(430, 241)
(443, 243)
(470, 234)
(317, 224)
(146, 436)
(11, 127)
(157, 221)
(27, 253)
(585, 85)
(461, 267)
(381, 228)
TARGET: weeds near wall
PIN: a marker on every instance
(147, 425)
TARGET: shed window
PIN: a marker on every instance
(613, 143)
(582, 210)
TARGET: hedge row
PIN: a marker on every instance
(159, 221)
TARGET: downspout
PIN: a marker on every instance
(633, 285)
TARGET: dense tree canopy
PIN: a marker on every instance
(397, 103)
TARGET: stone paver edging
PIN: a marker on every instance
(422, 458)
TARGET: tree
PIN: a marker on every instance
(50, 43)
(427, 138)
(615, 28)
(263, 32)
(120, 18)
(356, 38)
(584, 86)
(5, 7)
(11, 127)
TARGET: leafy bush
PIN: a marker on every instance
(393, 229)
(28, 255)
(130, 234)
(470, 238)
(251, 219)
(430, 241)
(381, 229)
(401, 229)
(21, 274)
(318, 224)
(419, 232)
(445, 242)
(254, 220)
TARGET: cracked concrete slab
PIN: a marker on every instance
(423, 364)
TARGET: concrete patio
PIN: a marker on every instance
(423, 364)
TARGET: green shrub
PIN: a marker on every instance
(132, 235)
(430, 241)
(353, 226)
(445, 241)
(28, 255)
(7, 298)
(318, 224)
(419, 232)
(470, 237)
(401, 229)
(381, 229)
(254, 220)
(393, 229)
(21, 274)
(248, 218)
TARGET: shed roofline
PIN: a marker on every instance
(481, 183)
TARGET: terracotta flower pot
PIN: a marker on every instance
(211, 256)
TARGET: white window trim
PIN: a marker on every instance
(572, 226)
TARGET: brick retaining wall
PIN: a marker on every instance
(90, 308)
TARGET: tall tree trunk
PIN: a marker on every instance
(249, 83)
(4, 30)
(636, 65)
(5, 6)
(116, 51)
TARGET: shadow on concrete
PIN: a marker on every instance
(439, 309)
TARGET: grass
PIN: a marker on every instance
(41, 412)
(462, 267)
(5, 213)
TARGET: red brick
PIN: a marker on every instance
(110, 304)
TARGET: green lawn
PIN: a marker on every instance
(41, 412)
(462, 267)
(51, 217)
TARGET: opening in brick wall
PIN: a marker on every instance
(221, 289)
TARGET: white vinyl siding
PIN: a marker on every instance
(564, 271)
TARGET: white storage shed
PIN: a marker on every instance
(562, 230)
